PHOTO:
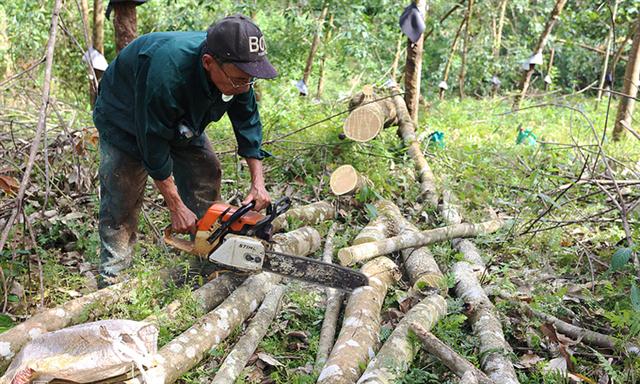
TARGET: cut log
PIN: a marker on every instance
(184, 352)
(362, 252)
(494, 360)
(346, 180)
(237, 359)
(397, 353)
(206, 297)
(364, 123)
(450, 358)
(407, 130)
(334, 302)
(449, 209)
(358, 339)
(311, 214)
(377, 229)
(70, 313)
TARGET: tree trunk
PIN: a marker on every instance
(396, 58)
(486, 326)
(70, 313)
(359, 253)
(447, 67)
(407, 130)
(397, 353)
(465, 48)
(456, 363)
(526, 78)
(331, 314)
(98, 26)
(184, 352)
(413, 70)
(83, 6)
(325, 54)
(551, 56)
(314, 45)
(311, 214)
(358, 339)
(124, 23)
(237, 359)
(605, 65)
(630, 87)
(497, 42)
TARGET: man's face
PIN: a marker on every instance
(229, 79)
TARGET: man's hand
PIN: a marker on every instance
(183, 220)
(258, 192)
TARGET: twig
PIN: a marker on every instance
(41, 123)
(34, 244)
(20, 74)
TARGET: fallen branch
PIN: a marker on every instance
(184, 352)
(358, 338)
(359, 253)
(450, 358)
(237, 359)
(397, 353)
(334, 302)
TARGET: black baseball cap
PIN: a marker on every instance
(237, 40)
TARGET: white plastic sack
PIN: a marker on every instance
(85, 353)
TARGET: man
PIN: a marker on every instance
(154, 102)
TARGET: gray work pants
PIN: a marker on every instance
(197, 174)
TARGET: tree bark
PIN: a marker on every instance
(605, 65)
(452, 51)
(237, 359)
(184, 352)
(98, 25)
(450, 358)
(359, 253)
(486, 326)
(396, 58)
(413, 70)
(358, 339)
(331, 314)
(325, 54)
(311, 214)
(630, 87)
(314, 44)
(497, 42)
(124, 23)
(551, 56)
(407, 130)
(526, 78)
(83, 6)
(397, 353)
(465, 48)
(70, 313)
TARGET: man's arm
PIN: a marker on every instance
(183, 220)
(258, 192)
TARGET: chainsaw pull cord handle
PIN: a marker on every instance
(224, 225)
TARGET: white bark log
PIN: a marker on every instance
(486, 326)
(359, 253)
(358, 339)
(237, 359)
(397, 353)
(311, 214)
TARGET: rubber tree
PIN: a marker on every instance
(465, 48)
(98, 26)
(542, 42)
(315, 43)
(413, 69)
(452, 52)
(605, 65)
(630, 87)
(325, 54)
(125, 23)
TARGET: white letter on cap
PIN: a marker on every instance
(254, 45)
(262, 43)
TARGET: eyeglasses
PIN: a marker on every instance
(235, 82)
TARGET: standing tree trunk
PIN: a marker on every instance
(98, 26)
(396, 58)
(465, 48)
(605, 65)
(325, 53)
(314, 45)
(83, 6)
(413, 70)
(497, 40)
(526, 78)
(124, 23)
(630, 87)
(447, 67)
(551, 56)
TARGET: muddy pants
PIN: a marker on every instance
(197, 174)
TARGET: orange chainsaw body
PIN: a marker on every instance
(216, 210)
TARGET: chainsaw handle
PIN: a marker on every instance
(176, 242)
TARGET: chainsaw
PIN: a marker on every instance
(241, 239)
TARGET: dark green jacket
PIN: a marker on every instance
(157, 84)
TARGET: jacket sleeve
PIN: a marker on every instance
(156, 112)
(247, 126)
